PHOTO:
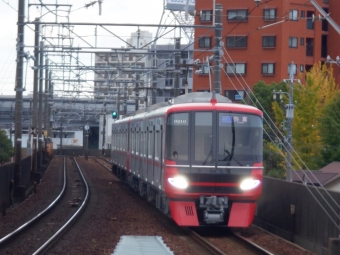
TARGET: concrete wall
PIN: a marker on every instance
(299, 213)
(7, 174)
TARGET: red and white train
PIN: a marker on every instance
(198, 158)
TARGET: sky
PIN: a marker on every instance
(113, 11)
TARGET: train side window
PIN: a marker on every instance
(137, 142)
(177, 137)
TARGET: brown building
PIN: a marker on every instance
(257, 51)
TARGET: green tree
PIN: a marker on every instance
(330, 130)
(6, 147)
(262, 98)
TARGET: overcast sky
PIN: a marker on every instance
(113, 11)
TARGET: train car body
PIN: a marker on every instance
(198, 158)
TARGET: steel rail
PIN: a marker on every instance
(204, 243)
(12, 235)
(50, 242)
(253, 245)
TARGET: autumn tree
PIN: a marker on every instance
(6, 147)
(310, 100)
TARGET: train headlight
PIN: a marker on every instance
(249, 184)
(179, 182)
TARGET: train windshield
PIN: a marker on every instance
(214, 138)
(239, 139)
(177, 137)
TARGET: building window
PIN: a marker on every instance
(301, 68)
(234, 95)
(114, 58)
(206, 15)
(292, 66)
(237, 41)
(268, 68)
(237, 15)
(236, 68)
(303, 14)
(269, 14)
(268, 41)
(293, 15)
(168, 82)
(203, 69)
(302, 41)
(293, 42)
(185, 54)
(205, 42)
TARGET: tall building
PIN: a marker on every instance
(260, 42)
(116, 72)
(167, 73)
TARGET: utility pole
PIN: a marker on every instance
(46, 108)
(137, 92)
(288, 140)
(289, 116)
(104, 125)
(218, 51)
(40, 117)
(19, 189)
(61, 137)
(87, 131)
(29, 151)
(177, 65)
(50, 91)
(35, 96)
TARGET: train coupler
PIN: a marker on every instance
(215, 207)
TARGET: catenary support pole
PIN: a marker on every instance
(218, 50)
(46, 108)
(177, 65)
(40, 111)
(19, 189)
(35, 97)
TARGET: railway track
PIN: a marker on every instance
(74, 194)
(236, 241)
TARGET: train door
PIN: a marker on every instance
(158, 154)
(132, 149)
(144, 156)
(203, 152)
(137, 132)
(151, 151)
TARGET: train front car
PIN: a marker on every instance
(213, 158)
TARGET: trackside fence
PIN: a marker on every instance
(302, 214)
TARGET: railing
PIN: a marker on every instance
(310, 24)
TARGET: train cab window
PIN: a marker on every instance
(177, 137)
(203, 137)
(239, 139)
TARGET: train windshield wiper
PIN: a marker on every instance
(230, 155)
(208, 156)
